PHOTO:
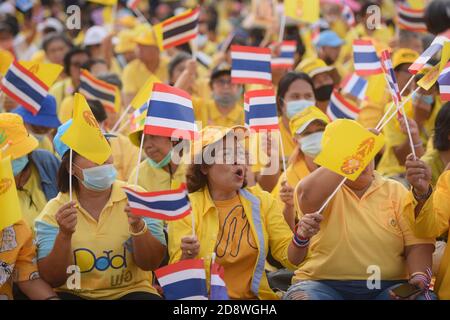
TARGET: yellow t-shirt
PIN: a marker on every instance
(357, 233)
(206, 111)
(125, 155)
(18, 257)
(135, 74)
(31, 197)
(60, 90)
(101, 249)
(66, 109)
(236, 248)
(433, 159)
(154, 179)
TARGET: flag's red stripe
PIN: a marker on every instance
(368, 72)
(161, 87)
(168, 132)
(251, 80)
(31, 75)
(180, 266)
(345, 102)
(179, 41)
(159, 216)
(237, 48)
(182, 16)
(157, 193)
(25, 104)
(260, 93)
(270, 127)
(101, 83)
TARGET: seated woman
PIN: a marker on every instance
(438, 157)
(307, 128)
(237, 223)
(112, 250)
(34, 170)
(435, 220)
(360, 246)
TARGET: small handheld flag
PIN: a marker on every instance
(444, 83)
(170, 113)
(96, 89)
(341, 108)
(390, 77)
(184, 280)
(434, 47)
(251, 65)
(411, 19)
(286, 58)
(166, 205)
(133, 4)
(218, 289)
(348, 15)
(262, 113)
(355, 86)
(365, 58)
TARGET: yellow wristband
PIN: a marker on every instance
(144, 230)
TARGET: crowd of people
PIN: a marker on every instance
(265, 227)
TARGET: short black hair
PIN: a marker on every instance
(437, 16)
(72, 52)
(179, 58)
(97, 110)
(286, 81)
(54, 36)
(62, 179)
(442, 129)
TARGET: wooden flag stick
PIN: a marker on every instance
(122, 116)
(282, 153)
(123, 126)
(282, 27)
(141, 16)
(193, 223)
(70, 174)
(332, 195)
(139, 159)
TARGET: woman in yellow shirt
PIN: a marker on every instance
(361, 235)
(114, 251)
(237, 223)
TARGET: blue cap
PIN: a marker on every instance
(329, 38)
(46, 117)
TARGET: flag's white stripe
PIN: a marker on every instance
(172, 98)
(180, 23)
(169, 123)
(367, 66)
(163, 197)
(444, 89)
(358, 48)
(282, 61)
(263, 121)
(194, 298)
(28, 80)
(250, 56)
(96, 86)
(180, 36)
(182, 275)
(288, 48)
(343, 108)
(22, 95)
(262, 100)
(251, 74)
(170, 213)
(216, 280)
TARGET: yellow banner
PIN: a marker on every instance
(46, 72)
(304, 10)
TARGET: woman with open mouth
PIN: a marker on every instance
(235, 223)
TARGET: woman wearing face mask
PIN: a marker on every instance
(35, 171)
(221, 203)
(113, 249)
(307, 128)
(41, 124)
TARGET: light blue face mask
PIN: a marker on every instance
(296, 106)
(311, 145)
(164, 162)
(39, 136)
(99, 178)
(19, 164)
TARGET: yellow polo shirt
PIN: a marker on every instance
(357, 233)
(135, 74)
(60, 90)
(206, 111)
(154, 179)
(101, 249)
(433, 159)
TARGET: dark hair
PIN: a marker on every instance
(9, 23)
(92, 62)
(97, 110)
(51, 37)
(285, 83)
(293, 33)
(437, 16)
(442, 129)
(63, 174)
(179, 58)
(68, 57)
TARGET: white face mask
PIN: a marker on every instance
(311, 145)
(296, 106)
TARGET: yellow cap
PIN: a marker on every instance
(145, 36)
(135, 136)
(402, 56)
(6, 58)
(212, 134)
(13, 131)
(303, 119)
(313, 67)
(125, 41)
(128, 21)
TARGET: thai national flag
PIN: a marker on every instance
(348, 15)
(365, 58)
(262, 114)
(218, 290)
(356, 86)
(251, 65)
(411, 19)
(170, 113)
(390, 76)
(435, 46)
(96, 89)
(444, 83)
(24, 87)
(162, 205)
(180, 29)
(341, 108)
(133, 4)
(184, 280)
(286, 58)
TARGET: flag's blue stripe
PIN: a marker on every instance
(287, 54)
(338, 113)
(185, 288)
(251, 65)
(263, 111)
(97, 93)
(24, 87)
(160, 205)
(218, 293)
(358, 87)
(365, 57)
(170, 110)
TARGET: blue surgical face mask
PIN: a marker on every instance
(296, 106)
(311, 145)
(39, 136)
(19, 164)
(99, 178)
(164, 162)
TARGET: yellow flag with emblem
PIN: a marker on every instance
(305, 10)
(46, 72)
(9, 200)
(84, 135)
(144, 93)
(105, 2)
(347, 148)
(429, 78)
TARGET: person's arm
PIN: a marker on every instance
(187, 78)
(148, 251)
(53, 267)
(37, 289)
(401, 151)
(287, 196)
